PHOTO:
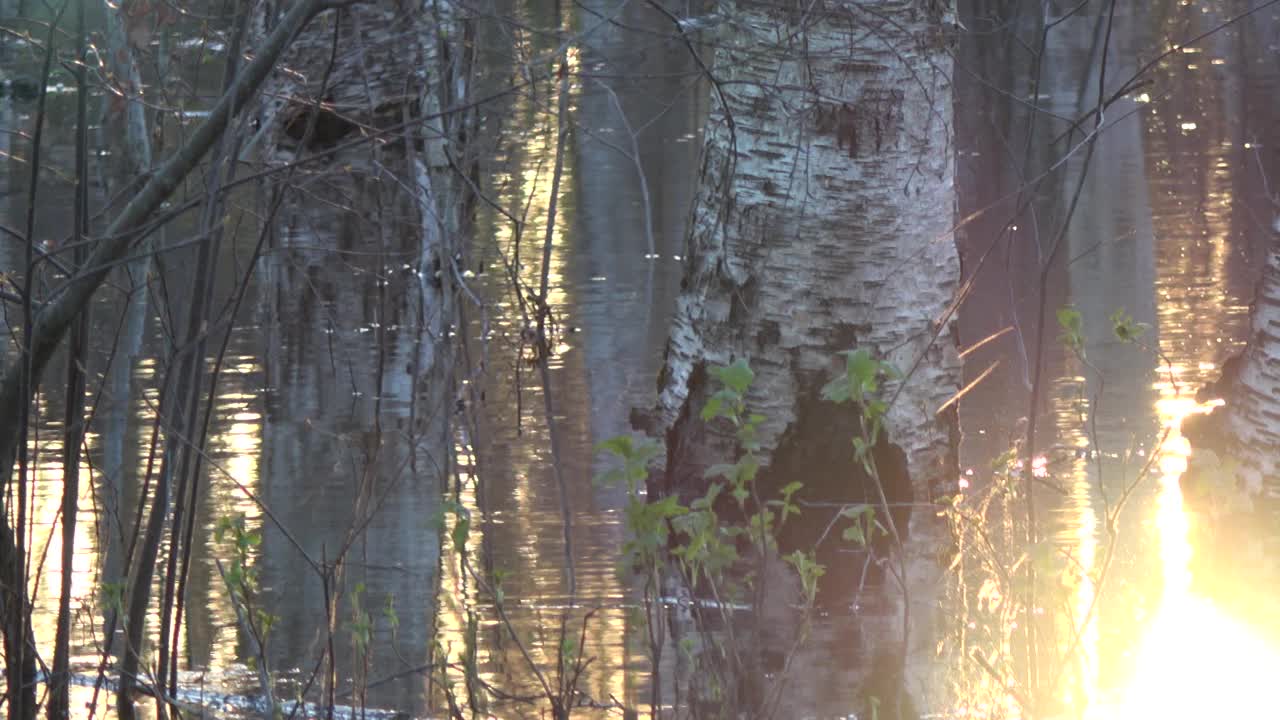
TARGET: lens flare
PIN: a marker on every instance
(1195, 660)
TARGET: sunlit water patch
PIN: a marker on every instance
(1195, 660)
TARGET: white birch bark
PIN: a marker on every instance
(1254, 410)
(1253, 396)
(823, 223)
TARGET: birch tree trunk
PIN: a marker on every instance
(360, 291)
(1252, 429)
(124, 128)
(823, 224)
(375, 95)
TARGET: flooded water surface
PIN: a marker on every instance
(314, 429)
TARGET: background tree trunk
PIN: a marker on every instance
(372, 234)
(125, 130)
(823, 224)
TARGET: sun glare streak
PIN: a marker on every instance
(1195, 660)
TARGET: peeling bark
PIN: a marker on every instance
(823, 223)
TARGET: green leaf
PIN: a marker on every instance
(389, 612)
(854, 534)
(724, 470)
(1072, 328)
(668, 507)
(836, 391)
(568, 645)
(876, 409)
(862, 369)
(620, 445)
(687, 645)
(224, 525)
(461, 527)
(706, 501)
(1125, 328)
(712, 408)
(736, 377)
(635, 452)
(1070, 320)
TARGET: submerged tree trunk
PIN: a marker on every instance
(377, 98)
(362, 278)
(823, 224)
(124, 129)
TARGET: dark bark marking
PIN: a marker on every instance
(769, 335)
(840, 120)
(761, 106)
(950, 418)
(875, 116)
(742, 299)
(329, 126)
(1225, 386)
(844, 336)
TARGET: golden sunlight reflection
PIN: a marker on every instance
(1195, 660)
(1070, 402)
(1197, 654)
(505, 483)
(46, 516)
(237, 449)
(524, 185)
